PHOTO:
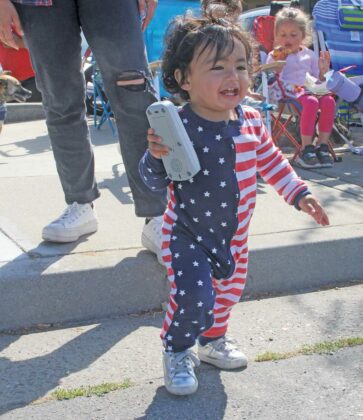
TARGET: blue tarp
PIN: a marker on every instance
(154, 34)
(165, 11)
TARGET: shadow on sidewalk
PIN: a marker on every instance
(41, 144)
(25, 381)
(117, 183)
(209, 402)
(37, 145)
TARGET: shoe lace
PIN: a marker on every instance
(183, 362)
(70, 213)
(225, 344)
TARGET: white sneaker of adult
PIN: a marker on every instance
(77, 220)
(151, 237)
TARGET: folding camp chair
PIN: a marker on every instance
(263, 30)
(289, 109)
(99, 98)
(343, 37)
(96, 100)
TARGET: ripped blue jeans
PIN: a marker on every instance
(112, 29)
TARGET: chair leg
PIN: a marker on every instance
(106, 114)
(332, 152)
(282, 130)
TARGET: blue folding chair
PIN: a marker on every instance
(344, 45)
(100, 101)
(96, 100)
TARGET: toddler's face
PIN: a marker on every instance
(289, 36)
(215, 89)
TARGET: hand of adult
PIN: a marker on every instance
(147, 9)
(10, 23)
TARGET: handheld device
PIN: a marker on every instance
(182, 161)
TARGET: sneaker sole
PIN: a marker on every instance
(326, 165)
(223, 364)
(148, 244)
(301, 164)
(182, 391)
(86, 229)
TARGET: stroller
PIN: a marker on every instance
(339, 28)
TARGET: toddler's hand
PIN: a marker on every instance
(310, 205)
(324, 63)
(155, 147)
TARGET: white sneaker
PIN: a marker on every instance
(179, 376)
(77, 220)
(151, 237)
(222, 353)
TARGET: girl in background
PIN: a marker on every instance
(292, 35)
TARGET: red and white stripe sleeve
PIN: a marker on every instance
(274, 167)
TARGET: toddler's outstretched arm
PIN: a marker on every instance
(310, 205)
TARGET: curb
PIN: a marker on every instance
(50, 291)
(17, 113)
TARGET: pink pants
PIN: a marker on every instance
(310, 107)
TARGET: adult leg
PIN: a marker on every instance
(54, 41)
(113, 32)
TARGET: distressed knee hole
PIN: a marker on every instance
(133, 80)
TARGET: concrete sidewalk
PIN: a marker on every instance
(109, 273)
(318, 386)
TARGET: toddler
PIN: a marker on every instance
(205, 227)
(231, 10)
(291, 36)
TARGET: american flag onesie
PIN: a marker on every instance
(205, 227)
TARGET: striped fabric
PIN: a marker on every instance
(34, 2)
(350, 17)
(205, 229)
(345, 47)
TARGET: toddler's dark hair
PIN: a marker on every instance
(186, 35)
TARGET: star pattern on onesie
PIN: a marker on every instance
(207, 219)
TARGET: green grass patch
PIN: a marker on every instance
(88, 391)
(271, 356)
(319, 348)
